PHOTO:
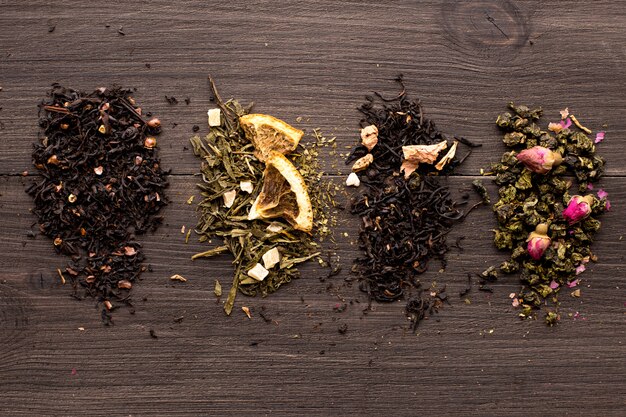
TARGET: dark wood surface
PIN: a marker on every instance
(316, 60)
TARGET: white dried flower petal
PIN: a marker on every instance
(215, 117)
(258, 272)
(229, 198)
(246, 186)
(353, 180)
(271, 258)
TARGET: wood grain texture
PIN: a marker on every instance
(315, 60)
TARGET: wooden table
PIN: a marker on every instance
(315, 60)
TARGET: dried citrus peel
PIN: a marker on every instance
(284, 194)
(268, 134)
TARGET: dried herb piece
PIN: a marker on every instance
(228, 161)
(100, 183)
(548, 230)
(404, 218)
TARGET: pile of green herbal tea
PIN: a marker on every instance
(405, 205)
(263, 196)
(547, 228)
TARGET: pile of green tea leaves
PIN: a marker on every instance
(527, 199)
(227, 160)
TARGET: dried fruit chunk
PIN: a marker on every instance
(268, 134)
(284, 194)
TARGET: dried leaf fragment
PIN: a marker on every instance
(177, 277)
(555, 127)
(577, 123)
(447, 157)
(363, 163)
(218, 289)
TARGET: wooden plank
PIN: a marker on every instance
(464, 74)
(313, 60)
(300, 364)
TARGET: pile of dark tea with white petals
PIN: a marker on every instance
(404, 203)
(99, 184)
(547, 208)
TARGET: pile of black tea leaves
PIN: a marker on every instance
(404, 203)
(99, 184)
(547, 208)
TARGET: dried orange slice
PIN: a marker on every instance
(268, 133)
(284, 194)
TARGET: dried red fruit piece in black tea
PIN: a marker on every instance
(100, 183)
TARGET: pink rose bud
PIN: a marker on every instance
(539, 159)
(578, 208)
(538, 241)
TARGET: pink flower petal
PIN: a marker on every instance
(554, 285)
(590, 186)
(608, 205)
(566, 123)
(602, 194)
(572, 284)
(580, 269)
(599, 137)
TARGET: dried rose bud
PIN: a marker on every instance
(538, 241)
(579, 207)
(150, 142)
(108, 304)
(58, 241)
(98, 170)
(369, 136)
(154, 122)
(53, 160)
(539, 159)
(65, 126)
(71, 198)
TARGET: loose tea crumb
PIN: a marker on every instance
(99, 186)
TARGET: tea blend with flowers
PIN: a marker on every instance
(544, 219)
(100, 184)
(264, 198)
(404, 203)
